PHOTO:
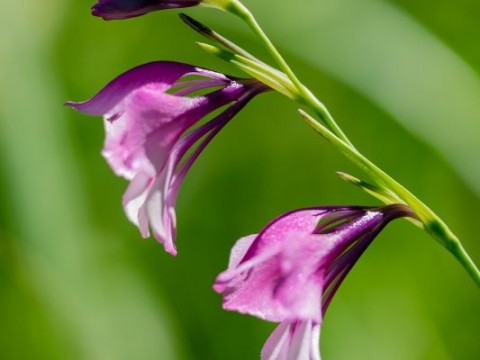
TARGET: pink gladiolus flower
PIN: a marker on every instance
(289, 272)
(151, 115)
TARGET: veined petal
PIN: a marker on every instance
(159, 216)
(267, 286)
(148, 122)
(301, 344)
(133, 200)
(293, 341)
(278, 278)
(276, 346)
(198, 138)
(302, 223)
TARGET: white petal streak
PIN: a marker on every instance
(276, 347)
(293, 340)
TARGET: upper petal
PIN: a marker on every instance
(165, 73)
(239, 250)
(302, 223)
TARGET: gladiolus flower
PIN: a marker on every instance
(153, 136)
(289, 272)
(125, 9)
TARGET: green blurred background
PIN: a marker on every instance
(78, 282)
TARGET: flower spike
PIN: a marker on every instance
(289, 272)
(153, 136)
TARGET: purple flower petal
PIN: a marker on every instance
(124, 9)
(290, 271)
(150, 116)
(162, 73)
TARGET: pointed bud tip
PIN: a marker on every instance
(303, 113)
(348, 177)
(71, 104)
(98, 11)
(209, 48)
(195, 25)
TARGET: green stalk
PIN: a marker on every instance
(431, 222)
(237, 8)
(385, 187)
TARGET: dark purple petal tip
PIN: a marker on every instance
(160, 72)
(125, 9)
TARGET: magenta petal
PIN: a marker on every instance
(153, 136)
(294, 265)
(278, 278)
(301, 223)
(147, 127)
(159, 72)
(125, 9)
(267, 287)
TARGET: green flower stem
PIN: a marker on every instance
(269, 76)
(385, 187)
(244, 13)
(237, 8)
(429, 220)
(467, 262)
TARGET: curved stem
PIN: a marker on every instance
(306, 95)
(430, 221)
(462, 256)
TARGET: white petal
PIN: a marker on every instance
(240, 249)
(134, 197)
(276, 346)
(301, 342)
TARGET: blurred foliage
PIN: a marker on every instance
(78, 282)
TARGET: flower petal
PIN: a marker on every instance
(150, 115)
(239, 250)
(125, 9)
(133, 200)
(165, 73)
(261, 287)
(293, 341)
(147, 125)
(302, 342)
(301, 222)
(276, 346)
(160, 217)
